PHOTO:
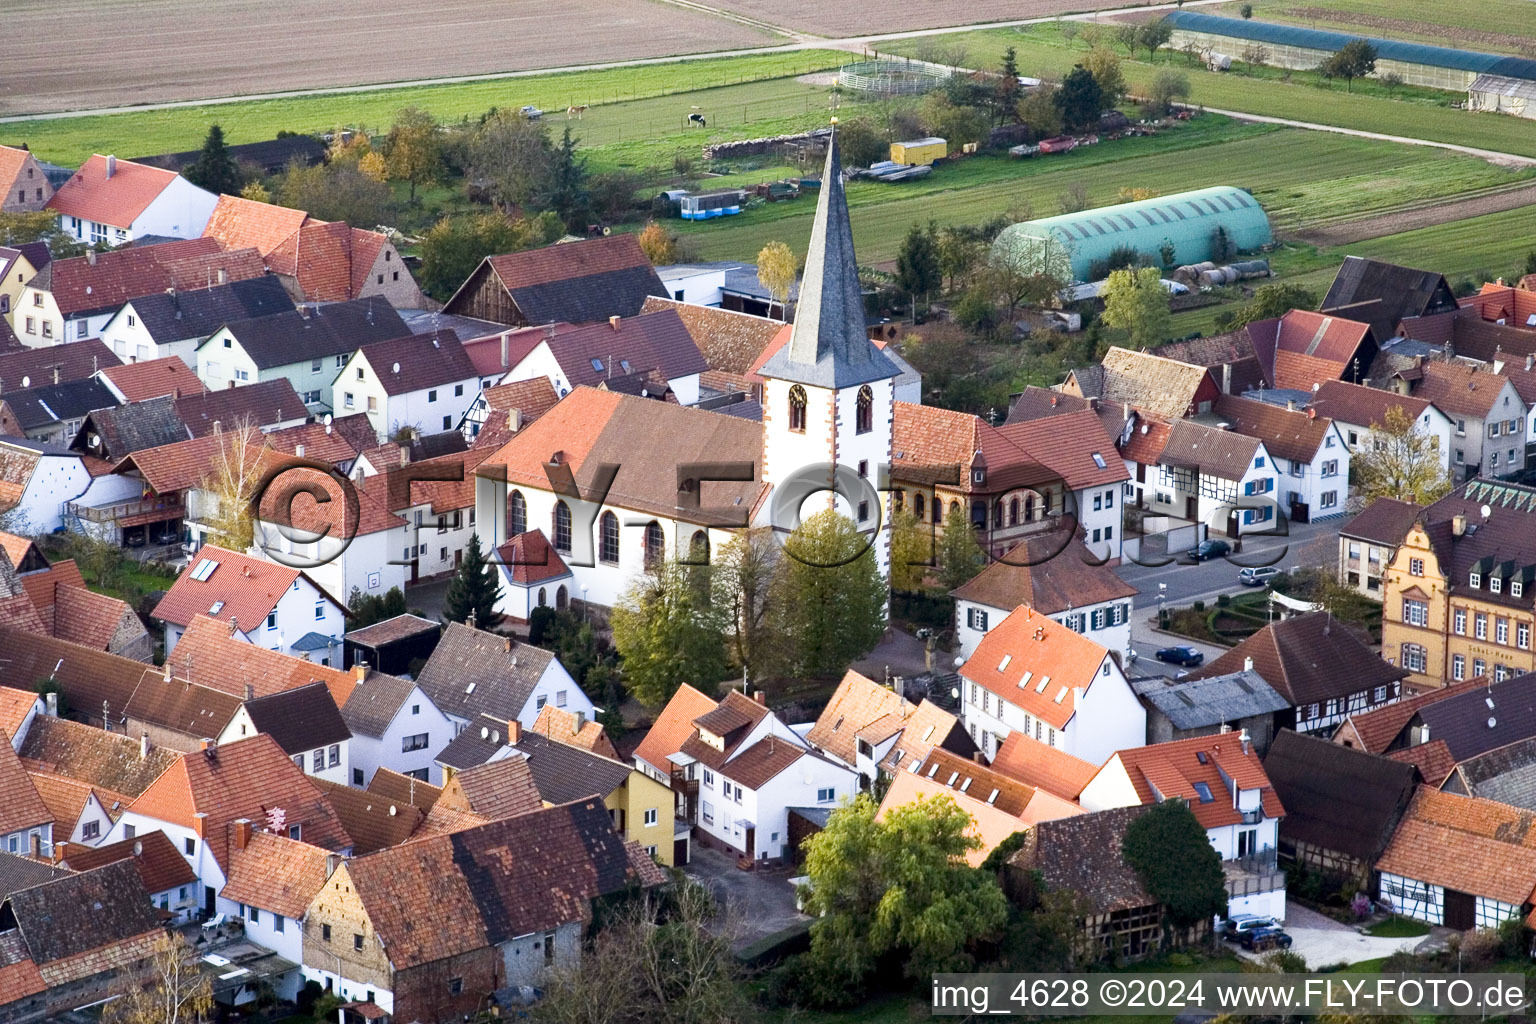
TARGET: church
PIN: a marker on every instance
(616, 482)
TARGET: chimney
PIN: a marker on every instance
(613, 322)
(332, 862)
(514, 732)
(978, 757)
(204, 744)
(165, 673)
(1245, 740)
(1226, 727)
(1290, 405)
(53, 705)
(506, 349)
(469, 620)
(506, 644)
(35, 841)
(298, 450)
(90, 257)
(1458, 526)
(514, 420)
(1125, 410)
(58, 851)
(1226, 378)
(111, 167)
(1247, 664)
(761, 698)
(242, 833)
(405, 455)
(223, 276)
(1093, 403)
(143, 746)
(250, 692)
(200, 824)
(55, 374)
(360, 671)
(1530, 363)
(581, 722)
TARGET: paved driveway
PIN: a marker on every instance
(754, 903)
(1324, 941)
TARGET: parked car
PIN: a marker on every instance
(531, 112)
(1237, 924)
(1182, 654)
(1208, 549)
(1258, 939)
(1259, 576)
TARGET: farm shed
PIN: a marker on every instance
(1502, 95)
(1293, 46)
(1070, 244)
(919, 151)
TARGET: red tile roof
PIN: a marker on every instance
(1355, 403)
(416, 362)
(139, 382)
(1515, 306)
(1035, 663)
(161, 866)
(1290, 434)
(1043, 766)
(1465, 843)
(79, 285)
(1330, 338)
(248, 779)
(1459, 388)
(274, 873)
(528, 558)
(19, 980)
(1048, 572)
(1434, 760)
(1067, 445)
(857, 703)
(560, 726)
(119, 200)
(989, 826)
(218, 661)
(1148, 439)
(937, 446)
(1376, 729)
(1301, 372)
(294, 505)
(244, 223)
(673, 727)
(90, 619)
(15, 706)
(485, 352)
(22, 808)
(1163, 771)
(13, 160)
(568, 260)
(244, 589)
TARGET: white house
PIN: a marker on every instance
(1359, 412)
(39, 482)
(175, 322)
(109, 202)
(306, 724)
(424, 382)
(26, 823)
(698, 284)
(268, 604)
(1311, 459)
(651, 352)
(395, 725)
(1222, 780)
(171, 883)
(750, 769)
(309, 346)
(1202, 474)
(1057, 577)
(272, 880)
(473, 672)
(1031, 674)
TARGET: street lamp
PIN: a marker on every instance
(583, 603)
(1162, 597)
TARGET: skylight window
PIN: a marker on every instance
(1200, 756)
(1044, 682)
(1061, 695)
(927, 733)
(952, 777)
(1028, 674)
(933, 771)
(992, 799)
(1205, 792)
(1098, 460)
(218, 606)
(204, 569)
(1004, 663)
(597, 364)
(624, 364)
(965, 785)
(470, 688)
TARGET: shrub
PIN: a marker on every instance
(1222, 600)
(1285, 961)
(976, 312)
(1481, 947)
(1199, 606)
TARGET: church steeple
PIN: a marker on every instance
(829, 346)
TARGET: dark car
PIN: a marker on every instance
(1181, 655)
(1208, 549)
(1266, 938)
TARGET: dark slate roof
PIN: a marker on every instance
(323, 330)
(1385, 521)
(1469, 726)
(125, 429)
(1401, 291)
(465, 328)
(430, 446)
(23, 873)
(55, 403)
(375, 702)
(83, 912)
(1309, 659)
(314, 642)
(414, 362)
(1082, 853)
(1338, 797)
(36, 366)
(570, 282)
(1201, 703)
(652, 341)
(174, 316)
(1507, 774)
(264, 403)
(271, 156)
(299, 719)
(475, 744)
(473, 672)
(829, 345)
(564, 773)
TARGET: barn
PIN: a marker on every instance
(1069, 245)
(1301, 48)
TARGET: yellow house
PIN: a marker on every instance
(1460, 594)
(919, 151)
(16, 269)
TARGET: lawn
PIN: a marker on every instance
(1302, 178)
(1044, 52)
(1397, 928)
(1498, 26)
(70, 141)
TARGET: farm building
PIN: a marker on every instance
(1069, 245)
(1501, 95)
(1293, 46)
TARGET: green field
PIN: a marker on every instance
(1043, 52)
(1495, 26)
(1302, 178)
(771, 94)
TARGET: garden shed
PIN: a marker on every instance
(1069, 245)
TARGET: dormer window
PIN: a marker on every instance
(978, 476)
(1495, 584)
(1516, 588)
(1475, 580)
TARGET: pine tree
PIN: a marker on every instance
(214, 169)
(917, 264)
(473, 589)
(567, 193)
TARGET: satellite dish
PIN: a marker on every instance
(392, 810)
(26, 382)
(328, 418)
(959, 662)
(954, 692)
(1486, 510)
(485, 733)
(495, 737)
(395, 368)
(1492, 721)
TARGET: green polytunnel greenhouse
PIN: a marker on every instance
(1068, 245)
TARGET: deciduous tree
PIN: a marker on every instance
(1153, 36)
(336, 191)
(1400, 461)
(668, 634)
(1104, 65)
(828, 595)
(777, 271)
(1040, 111)
(454, 246)
(959, 255)
(1169, 849)
(511, 156)
(1355, 59)
(231, 487)
(911, 551)
(178, 991)
(474, 589)
(960, 558)
(1134, 300)
(743, 576)
(1168, 87)
(1079, 100)
(1273, 300)
(374, 165)
(658, 244)
(415, 148)
(214, 169)
(898, 886)
(862, 142)
(256, 192)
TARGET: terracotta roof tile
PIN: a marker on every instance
(19, 980)
(1461, 389)
(673, 727)
(1354, 403)
(107, 761)
(752, 767)
(1378, 728)
(1028, 651)
(964, 775)
(219, 662)
(1153, 384)
(160, 865)
(403, 789)
(373, 821)
(989, 825)
(1162, 771)
(497, 789)
(90, 195)
(339, 516)
(561, 726)
(418, 361)
(730, 341)
(79, 285)
(1433, 759)
(1308, 659)
(1466, 843)
(1385, 520)
(924, 729)
(247, 779)
(857, 703)
(243, 223)
(1082, 853)
(22, 808)
(486, 352)
(1049, 573)
(15, 706)
(242, 589)
(1043, 766)
(66, 800)
(1073, 445)
(938, 446)
(22, 552)
(153, 378)
(1301, 372)
(90, 619)
(275, 873)
(1289, 434)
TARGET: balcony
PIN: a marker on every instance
(1254, 874)
(1253, 817)
(132, 512)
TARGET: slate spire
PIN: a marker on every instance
(829, 345)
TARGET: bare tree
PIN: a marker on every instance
(178, 993)
(231, 487)
(743, 579)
